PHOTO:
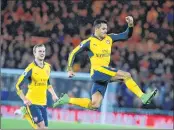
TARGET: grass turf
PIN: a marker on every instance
(8, 123)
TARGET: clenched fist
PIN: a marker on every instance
(130, 21)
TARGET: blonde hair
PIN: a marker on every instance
(36, 46)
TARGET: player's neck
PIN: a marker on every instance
(40, 63)
(97, 36)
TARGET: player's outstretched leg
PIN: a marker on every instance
(22, 111)
(65, 99)
(133, 87)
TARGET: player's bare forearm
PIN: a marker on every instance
(21, 95)
(51, 90)
(54, 96)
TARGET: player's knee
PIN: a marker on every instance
(95, 104)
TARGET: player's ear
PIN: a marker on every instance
(34, 52)
(96, 28)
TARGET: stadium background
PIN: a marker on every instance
(62, 25)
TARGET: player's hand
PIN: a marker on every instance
(130, 21)
(55, 98)
(27, 102)
(71, 74)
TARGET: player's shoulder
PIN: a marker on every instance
(29, 67)
(111, 34)
(47, 64)
(86, 40)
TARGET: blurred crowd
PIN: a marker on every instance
(147, 54)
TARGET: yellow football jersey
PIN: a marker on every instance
(99, 51)
(38, 82)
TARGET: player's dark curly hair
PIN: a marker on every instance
(98, 22)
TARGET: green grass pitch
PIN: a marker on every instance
(8, 123)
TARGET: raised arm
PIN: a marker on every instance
(125, 35)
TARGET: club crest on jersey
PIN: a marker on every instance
(95, 44)
(107, 41)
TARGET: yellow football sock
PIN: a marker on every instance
(132, 86)
(82, 102)
(28, 118)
